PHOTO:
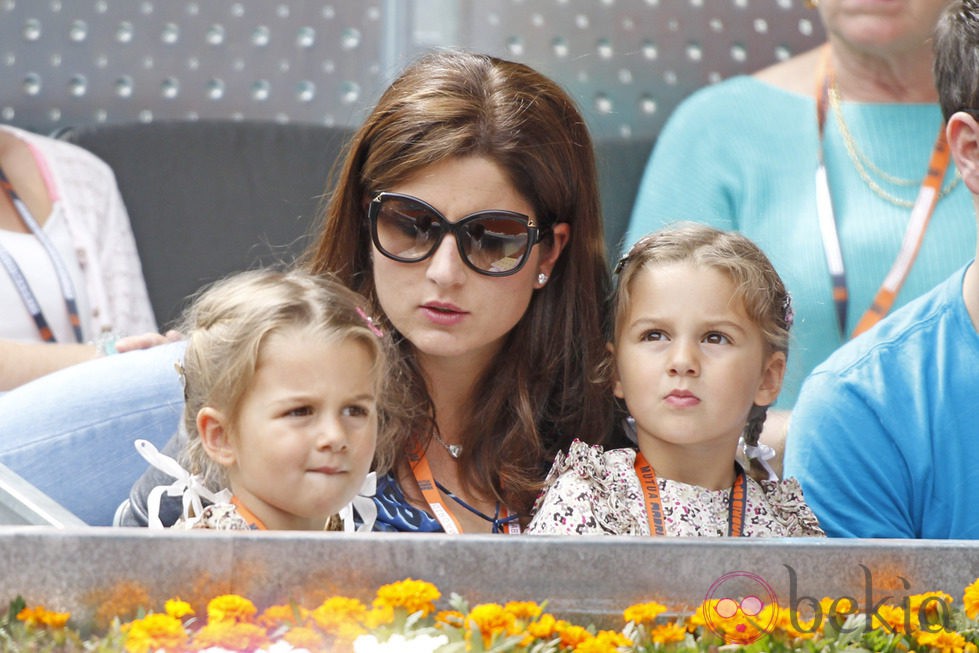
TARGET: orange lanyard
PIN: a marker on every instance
(426, 482)
(248, 515)
(921, 212)
(737, 500)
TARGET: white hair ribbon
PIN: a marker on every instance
(762, 453)
(189, 487)
(364, 506)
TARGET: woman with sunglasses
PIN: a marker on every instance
(467, 211)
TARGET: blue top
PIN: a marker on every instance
(394, 513)
(885, 436)
(742, 155)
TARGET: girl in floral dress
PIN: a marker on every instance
(282, 377)
(698, 354)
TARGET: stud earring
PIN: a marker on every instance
(812, 4)
(541, 279)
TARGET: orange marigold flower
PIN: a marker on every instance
(890, 618)
(307, 638)
(942, 641)
(155, 632)
(668, 633)
(337, 611)
(41, 616)
(283, 615)
(796, 626)
(739, 629)
(523, 609)
(232, 635)
(604, 642)
(491, 620)
(379, 615)
(699, 618)
(571, 635)
(542, 628)
(178, 609)
(230, 607)
(412, 595)
(932, 607)
(971, 600)
(643, 612)
(931, 601)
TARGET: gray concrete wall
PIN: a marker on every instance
(589, 579)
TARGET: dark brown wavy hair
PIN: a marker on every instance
(540, 391)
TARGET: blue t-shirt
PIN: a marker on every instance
(885, 436)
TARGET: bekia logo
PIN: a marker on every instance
(740, 607)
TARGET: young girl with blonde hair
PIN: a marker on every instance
(283, 375)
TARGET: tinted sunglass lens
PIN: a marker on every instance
(496, 244)
(406, 230)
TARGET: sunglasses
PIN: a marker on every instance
(495, 243)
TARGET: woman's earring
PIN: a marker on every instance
(541, 279)
(812, 4)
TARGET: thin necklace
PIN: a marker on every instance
(455, 450)
(862, 162)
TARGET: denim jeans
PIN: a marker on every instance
(71, 433)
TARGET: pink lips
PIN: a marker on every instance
(443, 314)
(329, 471)
(682, 399)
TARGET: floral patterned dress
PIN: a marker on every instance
(590, 491)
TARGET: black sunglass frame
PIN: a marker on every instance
(535, 234)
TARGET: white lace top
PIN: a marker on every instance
(590, 491)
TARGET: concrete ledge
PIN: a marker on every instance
(582, 578)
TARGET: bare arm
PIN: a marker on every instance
(776, 428)
(21, 362)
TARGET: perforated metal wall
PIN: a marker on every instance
(628, 62)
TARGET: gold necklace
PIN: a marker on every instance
(862, 162)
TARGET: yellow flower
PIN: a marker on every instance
(283, 615)
(739, 629)
(793, 624)
(155, 632)
(699, 618)
(412, 595)
(336, 612)
(889, 617)
(307, 638)
(668, 633)
(942, 641)
(491, 620)
(606, 641)
(40, 616)
(379, 615)
(232, 635)
(178, 609)
(643, 612)
(971, 600)
(571, 635)
(543, 628)
(523, 609)
(230, 607)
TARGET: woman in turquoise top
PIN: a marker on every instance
(743, 155)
